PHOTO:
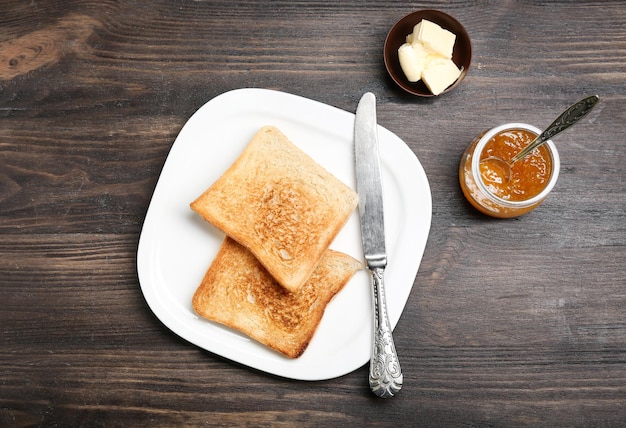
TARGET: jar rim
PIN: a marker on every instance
(554, 154)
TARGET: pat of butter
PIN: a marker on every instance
(412, 60)
(434, 38)
(440, 74)
(427, 56)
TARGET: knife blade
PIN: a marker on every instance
(385, 374)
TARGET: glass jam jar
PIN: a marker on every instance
(532, 178)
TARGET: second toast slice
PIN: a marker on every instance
(237, 292)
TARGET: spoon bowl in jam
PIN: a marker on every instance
(494, 169)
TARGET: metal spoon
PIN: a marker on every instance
(569, 117)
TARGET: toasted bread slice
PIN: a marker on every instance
(238, 292)
(280, 204)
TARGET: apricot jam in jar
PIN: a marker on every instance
(493, 191)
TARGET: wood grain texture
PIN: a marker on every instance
(510, 322)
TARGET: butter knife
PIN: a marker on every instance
(385, 375)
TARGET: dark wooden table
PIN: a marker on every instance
(510, 322)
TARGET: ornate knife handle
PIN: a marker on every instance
(385, 374)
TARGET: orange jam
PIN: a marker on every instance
(488, 186)
(529, 175)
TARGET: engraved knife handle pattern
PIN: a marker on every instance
(385, 375)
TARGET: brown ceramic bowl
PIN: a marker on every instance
(461, 54)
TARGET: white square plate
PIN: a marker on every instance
(176, 246)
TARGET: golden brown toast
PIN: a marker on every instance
(238, 292)
(280, 204)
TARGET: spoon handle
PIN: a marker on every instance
(569, 117)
